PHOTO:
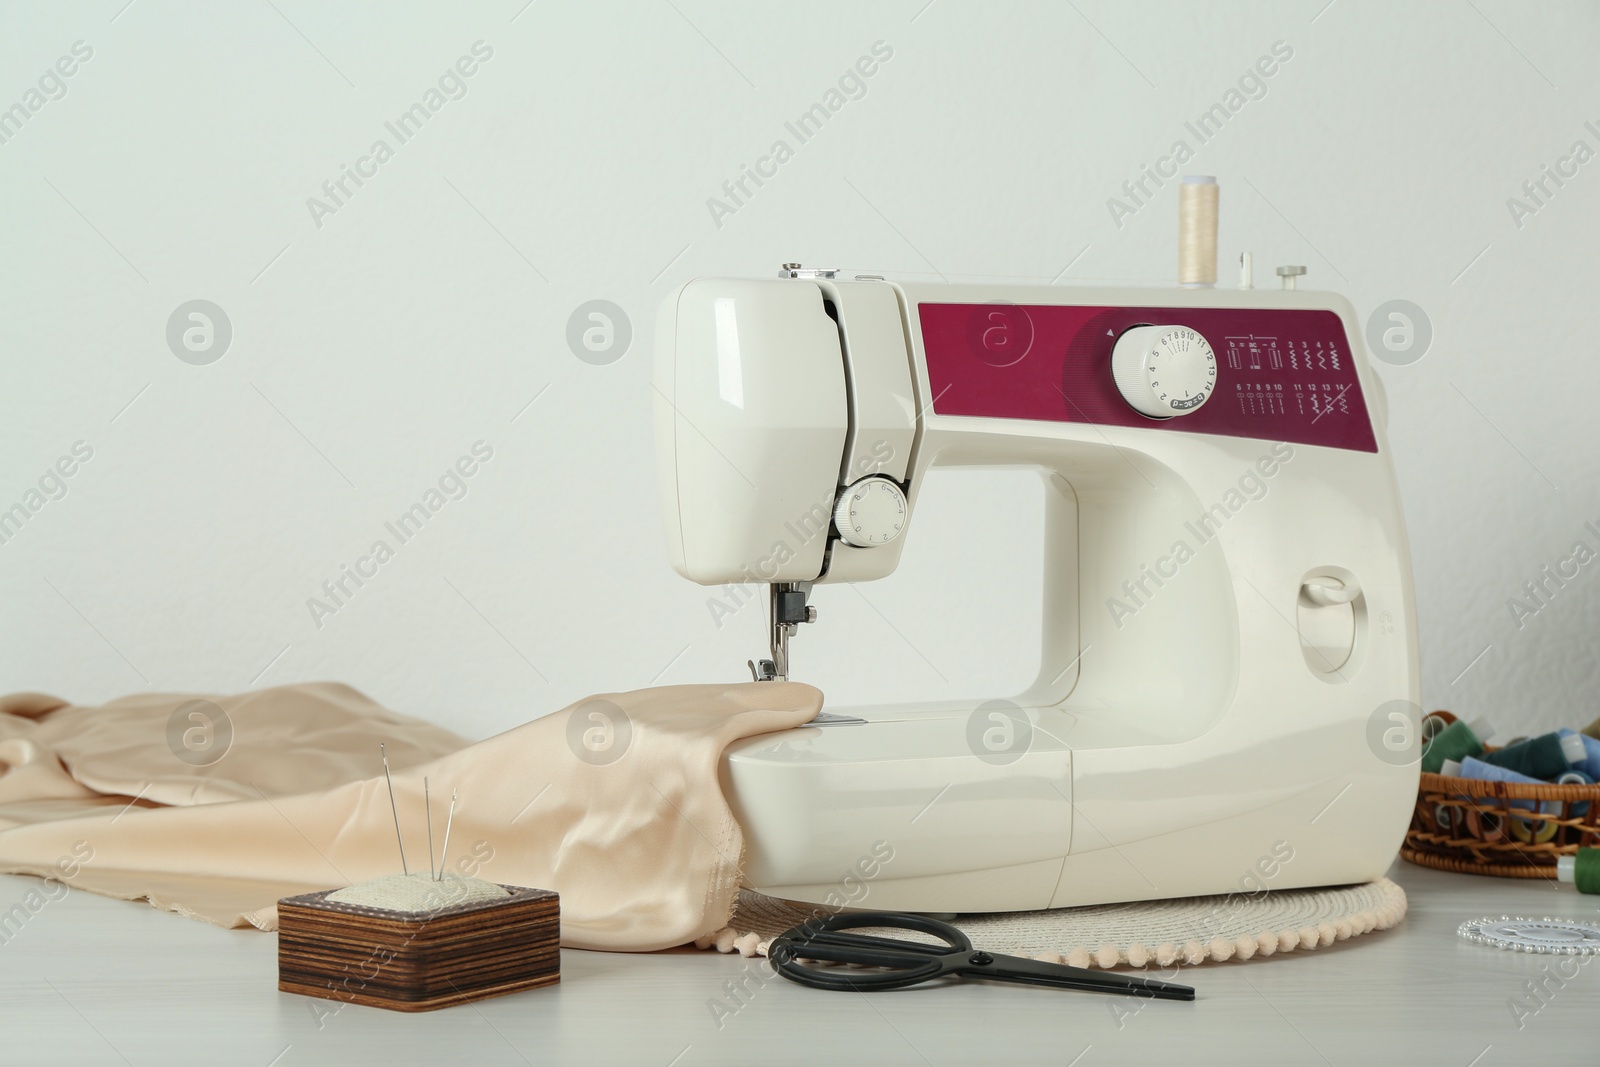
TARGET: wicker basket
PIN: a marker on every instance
(1507, 829)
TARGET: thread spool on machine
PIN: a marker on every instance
(1199, 203)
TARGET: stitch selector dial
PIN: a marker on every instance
(871, 512)
(1164, 371)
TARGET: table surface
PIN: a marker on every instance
(89, 980)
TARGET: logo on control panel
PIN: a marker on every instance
(1000, 334)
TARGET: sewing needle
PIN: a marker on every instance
(394, 809)
(448, 820)
(427, 811)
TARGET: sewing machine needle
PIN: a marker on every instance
(393, 808)
(451, 818)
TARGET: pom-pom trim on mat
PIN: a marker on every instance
(1187, 931)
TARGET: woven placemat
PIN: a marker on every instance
(1189, 930)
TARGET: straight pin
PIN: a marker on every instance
(394, 808)
(427, 811)
(448, 821)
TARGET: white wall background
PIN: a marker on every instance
(371, 351)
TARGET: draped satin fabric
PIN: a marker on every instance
(614, 802)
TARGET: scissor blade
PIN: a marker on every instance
(851, 950)
(893, 944)
(1037, 972)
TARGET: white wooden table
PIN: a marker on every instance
(89, 980)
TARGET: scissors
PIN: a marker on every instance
(906, 963)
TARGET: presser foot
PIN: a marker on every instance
(786, 611)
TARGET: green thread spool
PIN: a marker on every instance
(1583, 870)
(1546, 757)
(1434, 723)
(1455, 742)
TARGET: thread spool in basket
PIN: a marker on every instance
(1456, 742)
(1579, 808)
(1486, 824)
(1541, 758)
(1434, 723)
(1533, 831)
(1591, 763)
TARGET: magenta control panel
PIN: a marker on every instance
(1282, 374)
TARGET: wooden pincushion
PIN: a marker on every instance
(418, 961)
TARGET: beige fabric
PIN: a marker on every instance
(643, 849)
(1187, 930)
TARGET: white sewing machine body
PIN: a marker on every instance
(1228, 617)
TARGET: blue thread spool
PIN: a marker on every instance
(1577, 777)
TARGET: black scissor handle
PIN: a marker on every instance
(903, 963)
(953, 938)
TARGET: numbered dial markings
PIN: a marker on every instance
(871, 512)
(1164, 371)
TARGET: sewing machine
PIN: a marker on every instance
(1228, 683)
